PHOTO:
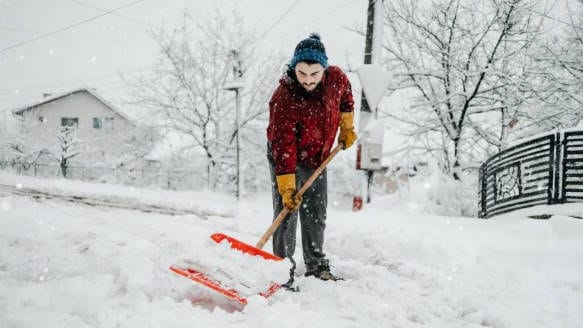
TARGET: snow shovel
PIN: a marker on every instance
(207, 280)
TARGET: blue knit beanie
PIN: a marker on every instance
(310, 49)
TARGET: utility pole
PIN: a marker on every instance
(365, 111)
(372, 51)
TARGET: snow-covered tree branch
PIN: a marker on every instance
(186, 92)
(469, 64)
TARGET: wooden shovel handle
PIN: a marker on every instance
(300, 192)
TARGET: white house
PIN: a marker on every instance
(85, 110)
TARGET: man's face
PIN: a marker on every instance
(309, 75)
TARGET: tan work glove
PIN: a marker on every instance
(286, 185)
(347, 134)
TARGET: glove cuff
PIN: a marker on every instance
(286, 182)
(347, 120)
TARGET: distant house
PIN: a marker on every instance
(83, 109)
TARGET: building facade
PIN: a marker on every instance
(82, 109)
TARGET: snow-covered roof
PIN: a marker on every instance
(92, 92)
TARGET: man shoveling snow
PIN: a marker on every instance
(308, 106)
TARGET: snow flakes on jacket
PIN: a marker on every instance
(303, 125)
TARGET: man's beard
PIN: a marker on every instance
(312, 85)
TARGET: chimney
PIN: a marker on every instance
(46, 95)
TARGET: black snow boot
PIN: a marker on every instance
(321, 271)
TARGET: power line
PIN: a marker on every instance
(7, 28)
(346, 4)
(342, 6)
(106, 77)
(277, 21)
(555, 19)
(33, 89)
(131, 19)
(68, 27)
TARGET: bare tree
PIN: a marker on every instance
(562, 59)
(120, 148)
(186, 88)
(20, 146)
(67, 147)
(467, 61)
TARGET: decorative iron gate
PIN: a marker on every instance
(572, 170)
(544, 170)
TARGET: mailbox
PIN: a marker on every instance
(370, 147)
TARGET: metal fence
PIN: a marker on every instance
(544, 170)
(139, 177)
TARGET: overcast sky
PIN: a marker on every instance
(92, 52)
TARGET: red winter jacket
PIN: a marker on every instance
(303, 125)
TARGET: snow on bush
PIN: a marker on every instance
(434, 192)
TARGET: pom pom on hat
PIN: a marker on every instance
(310, 49)
(315, 35)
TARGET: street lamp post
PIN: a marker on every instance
(237, 86)
(238, 145)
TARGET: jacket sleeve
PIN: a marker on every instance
(347, 101)
(283, 121)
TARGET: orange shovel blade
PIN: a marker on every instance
(244, 247)
(202, 278)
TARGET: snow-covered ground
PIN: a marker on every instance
(70, 265)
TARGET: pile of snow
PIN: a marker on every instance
(433, 192)
(249, 275)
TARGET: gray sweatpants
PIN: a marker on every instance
(312, 214)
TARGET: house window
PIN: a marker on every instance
(70, 121)
(97, 123)
(108, 123)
